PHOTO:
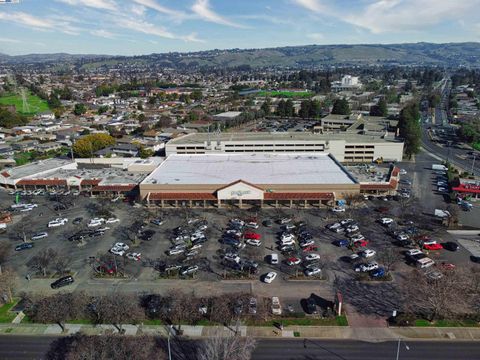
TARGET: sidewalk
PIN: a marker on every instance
(315, 332)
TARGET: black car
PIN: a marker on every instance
(60, 207)
(403, 243)
(311, 306)
(147, 235)
(76, 237)
(96, 233)
(231, 241)
(450, 245)
(77, 220)
(64, 281)
(23, 246)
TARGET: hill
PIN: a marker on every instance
(449, 54)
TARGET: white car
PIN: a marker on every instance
(94, 223)
(103, 229)
(40, 236)
(346, 222)
(357, 237)
(270, 277)
(118, 251)
(57, 222)
(134, 256)
(368, 253)
(97, 220)
(175, 252)
(253, 242)
(287, 237)
(338, 209)
(285, 221)
(252, 225)
(31, 205)
(120, 245)
(386, 221)
(196, 246)
(442, 189)
(403, 172)
(413, 252)
(366, 267)
(312, 257)
(402, 237)
(25, 209)
(289, 226)
(112, 221)
(352, 229)
(334, 226)
(313, 271)
(276, 307)
(287, 242)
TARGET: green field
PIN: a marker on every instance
(286, 94)
(35, 104)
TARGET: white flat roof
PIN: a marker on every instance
(256, 168)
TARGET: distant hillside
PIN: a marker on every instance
(451, 54)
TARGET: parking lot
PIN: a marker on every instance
(210, 270)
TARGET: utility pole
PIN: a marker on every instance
(473, 162)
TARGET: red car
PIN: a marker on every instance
(252, 235)
(447, 266)
(293, 261)
(310, 248)
(360, 243)
(435, 246)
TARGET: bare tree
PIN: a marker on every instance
(21, 228)
(454, 215)
(8, 282)
(43, 260)
(389, 258)
(433, 298)
(117, 309)
(106, 347)
(5, 249)
(58, 308)
(227, 348)
(221, 310)
(61, 264)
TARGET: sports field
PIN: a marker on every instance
(286, 94)
(35, 104)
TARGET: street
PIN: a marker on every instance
(36, 347)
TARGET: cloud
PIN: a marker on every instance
(380, 16)
(203, 10)
(103, 33)
(152, 4)
(316, 36)
(97, 4)
(28, 20)
(138, 10)
(11, 41)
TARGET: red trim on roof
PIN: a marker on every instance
(121, 188)
(467, 188)
(43, 182)
(182, 196)
(5, 174)
(91, 182)
(390, 186)
(395, 171)
(240, 181)
(297, 196)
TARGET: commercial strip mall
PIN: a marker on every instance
(263, 179)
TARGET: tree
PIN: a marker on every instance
(196, 95)
(304, 111)
(380, 109)
(117, 309)
(87, 145)
(5, 249)
(9, 119)
(227, 348)
(8, 282)
(79, 109)
(341, 107)
(104, 347)
(43, 260)
(389, 257)
(145, 153)
(102, 109)
(58, 308)
(410, 129)
(266, 106)
(289, 109)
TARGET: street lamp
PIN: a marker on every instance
(169, 328)
(473, 163)
(398, 347)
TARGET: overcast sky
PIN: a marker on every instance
(131, 27)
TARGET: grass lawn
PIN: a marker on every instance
(336, 321)
(476, 146)
(446, 323)
(5, 315)
(35, 104)
(286, 94)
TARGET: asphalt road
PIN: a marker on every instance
(35, 348)
(356, 350)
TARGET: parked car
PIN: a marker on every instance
(293, 261)
(312, 271)
(23, 246)
(273, 259)
(276, 307)
(189, 270)
(368, 253)
(64, 281)
(338, 209)
(435, 246)
(112, 220)
(341, 243)
(39, 236)
(378, 273)
(285, 220)
(77, 220)
(157, 222)
(450, 245)
(306, 243)
(252, 306)
(253, 242)
(386, 221)
(269, 277)
(360, 243)
(252, 235)
(57, 222)
(366, 267)
(312, 257)
(134, 256)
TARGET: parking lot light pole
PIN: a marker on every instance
(168, 342)
(473, 163)
(398, 348)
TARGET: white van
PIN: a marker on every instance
(424, 263)
(274, 259)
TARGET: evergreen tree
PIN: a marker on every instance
(341, 107)
(410, 129)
